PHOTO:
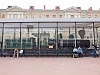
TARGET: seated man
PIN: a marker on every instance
(80, 52)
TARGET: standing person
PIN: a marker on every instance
(80, 51)
(94, 53)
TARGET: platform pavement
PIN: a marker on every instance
(49, 66)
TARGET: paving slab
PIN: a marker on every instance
(49, 66)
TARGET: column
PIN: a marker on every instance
(65, 16)
(7, 15)
(11, 15)
(75, 15)
(79, 16)
(18, 15)
(68, 15)
(22, 16)
(93, 32)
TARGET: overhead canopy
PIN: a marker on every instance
(52, 22)
(61, 20)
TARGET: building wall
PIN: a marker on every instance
(90, 14)
(71, 12)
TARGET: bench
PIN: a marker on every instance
(31, 53)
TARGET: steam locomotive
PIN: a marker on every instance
(70, 43)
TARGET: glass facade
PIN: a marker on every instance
(48, 36)
(11, 35)
(29, 35)
(1, 35)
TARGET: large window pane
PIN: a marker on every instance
(66, 35)
(85, 34)
(11, 37)
(48, 36)
(97, 34)
(29, 36)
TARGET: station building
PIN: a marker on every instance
(48, 28)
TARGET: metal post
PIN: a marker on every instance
(2, 43)
(96, 35)
(57, 37)
(75, 35)
(38, 39)
(93, 32)
(69, 31)
(20, 37)
(14, 33)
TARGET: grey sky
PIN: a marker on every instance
(50, 4)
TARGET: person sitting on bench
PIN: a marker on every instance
(21, 52)
(75, 52)
(80, 52)
(16, 52)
